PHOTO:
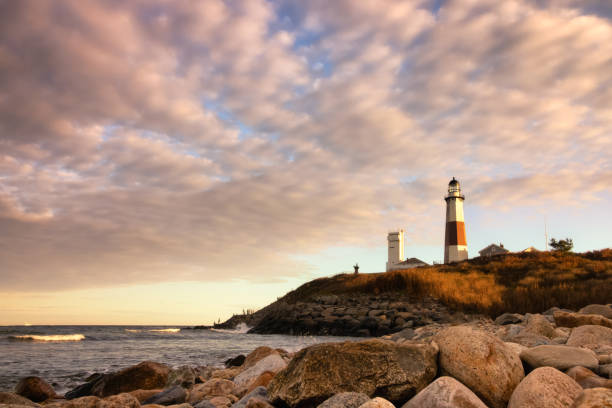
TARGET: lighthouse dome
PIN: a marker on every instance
(454, 189)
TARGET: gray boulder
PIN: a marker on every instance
(508, 318)
(561, 357)
(345, 399)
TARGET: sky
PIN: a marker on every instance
(174, 162)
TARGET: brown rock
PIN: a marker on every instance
(374, 367)
(123, 400)
(445, 392)
(221, 402)
(566, 319)
(211, 388)
(146, 376)
(590, 336)
(480, 361)
(545, 387)
(594, 398)
(256, 355)
(15, 399)
(561, 357)
(538, 324)
(263, 380)
(227, 373)
(35, 389)
(256, 402)
(588, 379)
(142, 395)
(377, 403)
(83, 402)
(603, 310)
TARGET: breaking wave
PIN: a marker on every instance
(240, 328)
(49, 337)
(165, 330)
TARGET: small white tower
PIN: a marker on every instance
(455, 243)
(396, 248)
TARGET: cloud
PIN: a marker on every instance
(155, 141)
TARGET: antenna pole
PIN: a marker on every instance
(546, 233)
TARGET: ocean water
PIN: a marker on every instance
(65, 355)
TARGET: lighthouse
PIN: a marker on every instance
(455, 244)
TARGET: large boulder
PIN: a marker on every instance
(508, 318)
(545, 387)
(480, 361)
(590, 336)
(145, 376)
(123, 400)
(10, 398)
(588, 379)
(35, 389)
(185, 376)
(272, 363)
(254, 356)
(445, 392)
(345, 400)
(565, 319)
(594, 398)
(143, 395)
(604, 310)
(375, 367)
(560, 357)
(174, 395)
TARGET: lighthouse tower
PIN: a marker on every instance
(455, 244)
(396, 248)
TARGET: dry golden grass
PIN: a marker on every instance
(522, 282)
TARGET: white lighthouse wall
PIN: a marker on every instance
(454, 210)
(395, 248)
(457, 253)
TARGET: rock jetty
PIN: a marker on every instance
(517, 361)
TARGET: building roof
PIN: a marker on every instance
(497, 248)
(412, 261)
(531, 249)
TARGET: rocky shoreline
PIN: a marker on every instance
(559, 359)
(344, 315)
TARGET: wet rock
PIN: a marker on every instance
(588, 379)
(84, 389)
(235, 362)
(545, 387)
(564, 319)
(480, 361)
(561, 357)
(594, 398)
(345, 400)
(146, 375)
(174, 395)
(374, 367)
(445, 392)
(272, 363)
(35, 389)
(15, 399)
(377, 403)
(508, 318)
(590, 336)
(603, 310)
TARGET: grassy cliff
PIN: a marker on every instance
(516, 282)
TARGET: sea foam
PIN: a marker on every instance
(165, 330)
(49, 337)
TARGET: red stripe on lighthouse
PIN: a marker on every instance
(455, 233)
